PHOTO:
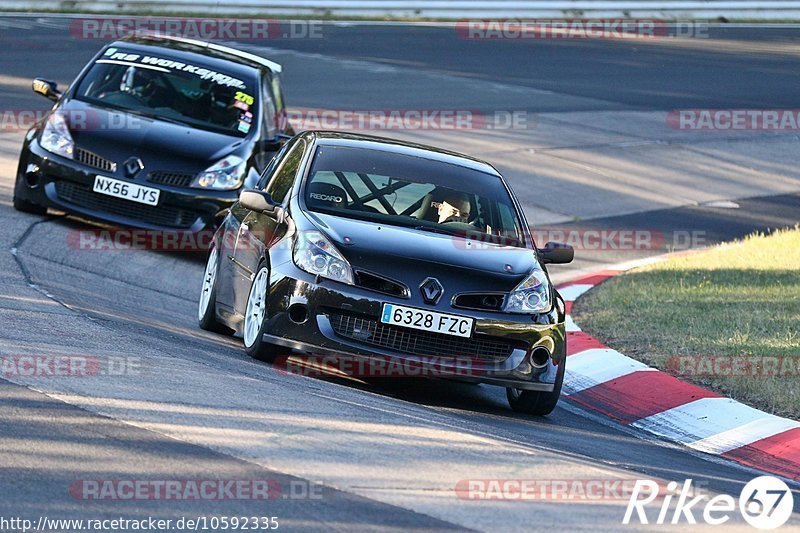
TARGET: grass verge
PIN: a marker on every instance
(727, 319)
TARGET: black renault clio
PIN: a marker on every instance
(360, 246)
(157, 133)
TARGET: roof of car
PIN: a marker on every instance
(356, 140)
(212, 51)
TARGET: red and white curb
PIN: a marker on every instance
(604, 380)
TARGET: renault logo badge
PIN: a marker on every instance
(133, 166)
(431, 290)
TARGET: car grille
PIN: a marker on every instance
(407, 341)
(175, 179)
(91, 159)
(492, 301)
(376, 283)
(84, 197)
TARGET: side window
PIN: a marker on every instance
(281, 184)
(508, 220)
(268, 105)
(276, 90)
(270, 170)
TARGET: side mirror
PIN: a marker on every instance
(47, 88)
(556, 253)
(258, 201)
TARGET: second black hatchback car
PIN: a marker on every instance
(365, 247)
(157, 133)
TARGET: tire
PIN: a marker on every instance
(255, 318)
(25, 206)
(539, 403)
(206, 311)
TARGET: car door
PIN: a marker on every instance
(259, 231)
(231, 233)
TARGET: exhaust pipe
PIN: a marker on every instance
(540, 356)
(298, 313)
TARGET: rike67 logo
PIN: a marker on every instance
(765, 503)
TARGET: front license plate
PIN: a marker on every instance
(411, 317)
(125, 190)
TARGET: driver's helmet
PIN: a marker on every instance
(221, 96)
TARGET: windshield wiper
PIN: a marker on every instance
(137, 112)
(434, 229)
(153, 116)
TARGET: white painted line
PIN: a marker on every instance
(636, 263)
(702, 423)
(570, 293)
(598, 365)
(743, 435)
(570, 324)
(709, 425)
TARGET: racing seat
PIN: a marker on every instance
(427, 210)
(325, 195)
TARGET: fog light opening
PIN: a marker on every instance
(32, 180)
(540, 356)
(298, 313)
(491, 302)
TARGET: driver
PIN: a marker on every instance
(222, 111)
(145, 85)
(136, 81)
(454, 208)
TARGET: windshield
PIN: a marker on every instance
(413, 192)
(162, 88)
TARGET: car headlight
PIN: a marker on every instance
(224, 175)
(56, 137)
(532, 295)
(315, 254)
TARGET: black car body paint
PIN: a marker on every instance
(152, 151)
(390, 265)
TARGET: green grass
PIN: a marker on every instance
(738, 299)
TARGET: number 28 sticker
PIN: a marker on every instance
(244, 98)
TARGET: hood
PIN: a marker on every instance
(410, 256)
(117, 135)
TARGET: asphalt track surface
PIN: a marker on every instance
(387, 454)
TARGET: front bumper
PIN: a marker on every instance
(322, 333)
(52, 181)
